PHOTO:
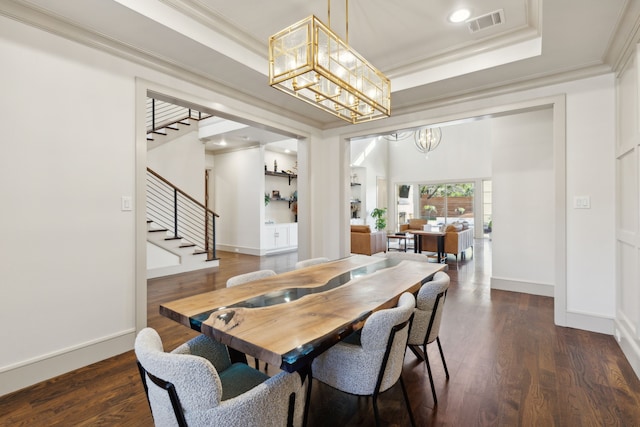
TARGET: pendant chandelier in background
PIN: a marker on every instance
(428, 139)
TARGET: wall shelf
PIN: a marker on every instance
(284, 200)
(282, 175)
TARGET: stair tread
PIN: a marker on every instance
(187, 245)
(153, 230)
(173, 238)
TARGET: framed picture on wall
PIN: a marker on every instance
(275, 194)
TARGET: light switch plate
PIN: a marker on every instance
(126, 203)
(582, 202)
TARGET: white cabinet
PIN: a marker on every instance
(279, 237)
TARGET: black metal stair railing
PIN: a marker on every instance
(182, 215)
(162, 115)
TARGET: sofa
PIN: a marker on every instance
(458, 237)
(367, 242)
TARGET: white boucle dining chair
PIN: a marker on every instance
(310, 262)
(246, 278)
(426, 322)
(197, 385)
(249, 277)
(370, 362)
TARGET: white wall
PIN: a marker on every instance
(239, 199)
(627, 155)
(182, 162)
(523, 202)
(67, 250)
(464, 153)
(370, 159)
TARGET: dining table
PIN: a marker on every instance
(288, 319)
(418, 235)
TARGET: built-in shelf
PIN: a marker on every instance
(284, 200)
(282, 175)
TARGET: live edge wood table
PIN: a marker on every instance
(288, 319)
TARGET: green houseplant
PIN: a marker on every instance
(431, 211)
(379, 215)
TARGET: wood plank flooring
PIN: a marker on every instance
(509, 365)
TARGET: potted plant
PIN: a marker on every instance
(431, 211)
(267, 199)
(381, 221)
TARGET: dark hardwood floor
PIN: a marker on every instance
(509, 365)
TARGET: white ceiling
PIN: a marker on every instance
(428, 59)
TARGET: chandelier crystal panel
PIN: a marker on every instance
(309, 61)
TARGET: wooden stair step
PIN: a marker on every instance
(187, 245)
(157, 229)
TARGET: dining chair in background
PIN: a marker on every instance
(426, 322)
(249, 277)
(410, 256)
(246, 278)
(370, 361)
(310, 262)
(197, 385)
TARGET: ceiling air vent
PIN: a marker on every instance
(486, 21)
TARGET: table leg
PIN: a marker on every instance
(416, 241)
(441, 255)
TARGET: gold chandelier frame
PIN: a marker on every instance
(310, 62)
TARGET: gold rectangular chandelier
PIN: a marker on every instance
(309, 61)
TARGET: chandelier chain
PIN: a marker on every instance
(346, 18)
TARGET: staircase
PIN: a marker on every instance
(166, 122)
(180, 229)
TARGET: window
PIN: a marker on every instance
(437, 203)
(486, 206)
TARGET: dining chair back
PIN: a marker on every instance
(197, 385)
(310, 262)
(249, 277)
(426, 322)
(370, 361)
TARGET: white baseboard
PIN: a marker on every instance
(181, 268)
(512, 285)
(629, 344)
(239, 249)
(590, 322)
(25, 374)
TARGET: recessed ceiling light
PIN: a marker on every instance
(459, 15)
(222, 143)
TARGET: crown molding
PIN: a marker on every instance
(622, 46)
(201, 12)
